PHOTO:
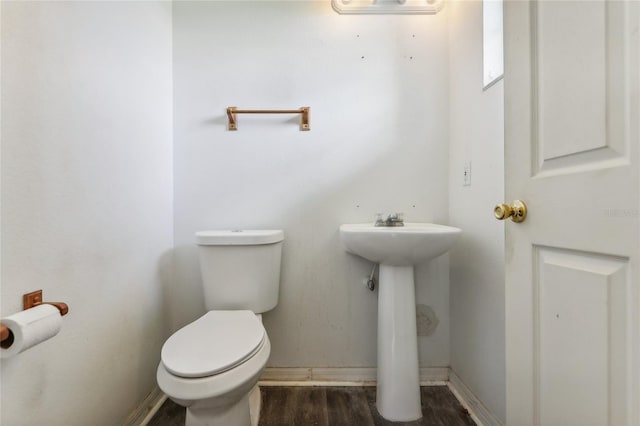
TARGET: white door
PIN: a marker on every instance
(572, 137)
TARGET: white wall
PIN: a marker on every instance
(377, 88)
(477, 262)
(86, 202)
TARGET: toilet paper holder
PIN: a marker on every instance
(29, 301)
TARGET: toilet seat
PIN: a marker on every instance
(238, 380)
(216, 342)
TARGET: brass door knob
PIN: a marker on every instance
(517, 211)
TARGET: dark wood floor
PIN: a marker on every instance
(335, 406)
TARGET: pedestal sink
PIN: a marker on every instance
(397, 250)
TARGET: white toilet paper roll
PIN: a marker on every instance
(31, 327)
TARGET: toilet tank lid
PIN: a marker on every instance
(239, 237)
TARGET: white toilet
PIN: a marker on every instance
(213, 364)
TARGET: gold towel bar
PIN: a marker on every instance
(303, 111)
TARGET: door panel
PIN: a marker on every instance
(580, 341)
(572, 126)
(578, 45)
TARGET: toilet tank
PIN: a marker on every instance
(240, 269)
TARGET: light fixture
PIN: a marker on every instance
(390, 7)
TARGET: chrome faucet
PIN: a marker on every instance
(394, 219)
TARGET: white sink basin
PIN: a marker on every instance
(397, 249)
(405, 245)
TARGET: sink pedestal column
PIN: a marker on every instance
(398, 394)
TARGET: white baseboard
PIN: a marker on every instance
(147, 408)
(340, 376)
(479, 413)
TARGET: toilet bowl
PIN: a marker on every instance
(211, 365)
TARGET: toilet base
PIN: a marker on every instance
(255, 404)
(199, 414)
(245, 412)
